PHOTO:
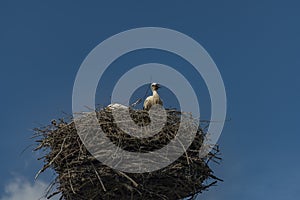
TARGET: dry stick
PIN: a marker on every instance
(53, 194)
(71, 183)
(50, 187)
(126, 176)
(50, 163)
(185, 151)
(99, 178)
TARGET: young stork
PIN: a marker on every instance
(154, 99)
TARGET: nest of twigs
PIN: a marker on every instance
(81, 176)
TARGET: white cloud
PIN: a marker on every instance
(20, 188)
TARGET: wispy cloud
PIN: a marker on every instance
(20, 188)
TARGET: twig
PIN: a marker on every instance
(50, 163)
(99, 178)
(126, 176)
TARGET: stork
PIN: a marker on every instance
(154, 99)
(114, 106)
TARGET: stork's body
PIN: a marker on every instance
(154, 99)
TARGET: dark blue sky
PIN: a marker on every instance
(255, 45)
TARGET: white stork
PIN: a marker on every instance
(114, 106)
(154, 99)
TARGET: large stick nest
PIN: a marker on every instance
(82, 176)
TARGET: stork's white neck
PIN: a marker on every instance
(155, 93)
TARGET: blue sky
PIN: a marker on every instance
(255, 45)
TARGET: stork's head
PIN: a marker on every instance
(155, 86)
